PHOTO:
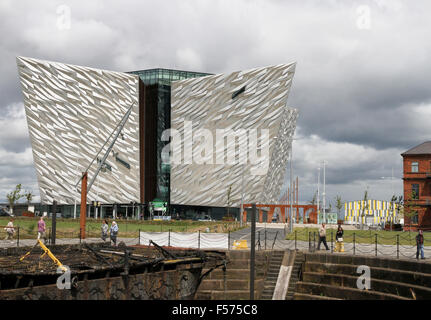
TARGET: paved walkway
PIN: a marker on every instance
(300, 225)
(276, 240)
(389, 251)
(31, 242)
(359, 249)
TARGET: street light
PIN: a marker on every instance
(392, 180)
(242, 196)
(241, 214)
(324, 193)
(291, 183)
(318, 191)
(291, 188)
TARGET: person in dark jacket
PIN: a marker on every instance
(420, 245)
(339, 244)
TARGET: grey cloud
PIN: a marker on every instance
(351, 85)
(11, 176)
(13, 129)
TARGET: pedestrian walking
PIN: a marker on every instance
(322, 237)
(113, 232)
(41, 229)
(105, 228)
(420, 245)
(339, 244)
(10, 230)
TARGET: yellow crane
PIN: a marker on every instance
(46, 251)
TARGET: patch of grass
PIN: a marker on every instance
(32, 227)
(69, 228)
(362, 236)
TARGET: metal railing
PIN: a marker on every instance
(22, 235)
(9, 233)
(402, 245)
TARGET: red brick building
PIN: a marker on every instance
(417, 186)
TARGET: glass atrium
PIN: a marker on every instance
(162, 79)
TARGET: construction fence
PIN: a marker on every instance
(196, 240)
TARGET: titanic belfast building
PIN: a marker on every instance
(167, 150)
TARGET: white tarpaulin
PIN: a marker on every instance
(157, 237)
(214, 241)
(186, 240)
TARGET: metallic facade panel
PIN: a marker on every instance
(253, 100)
(71, 111)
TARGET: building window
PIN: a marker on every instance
(415, 166)
(415, 218)
(415, 191)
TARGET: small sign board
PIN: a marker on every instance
(162, 218)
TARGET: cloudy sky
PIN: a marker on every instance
(362, 82)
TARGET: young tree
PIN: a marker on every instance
(14, 196)
(29, 196)
(313, 201)
(411, 208)
(338, 205)
(400, 208)
(364, 207)
(391, 207)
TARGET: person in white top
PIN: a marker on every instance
(113, 232)
(322, 237)
(10, 230)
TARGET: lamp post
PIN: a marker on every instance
(318, 191)
(392, 180)
(324, 194)
(77, 163)
(291, 188)
(252, 249)
(242, 196)
(291, 184)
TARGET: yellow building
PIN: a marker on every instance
(375, 212)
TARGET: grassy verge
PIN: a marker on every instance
(363, 236)
(69, 228)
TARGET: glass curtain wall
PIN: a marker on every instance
(163, 78)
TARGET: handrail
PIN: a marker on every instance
(275, 238)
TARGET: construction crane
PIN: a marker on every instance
(45, 251)
(84, 177)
